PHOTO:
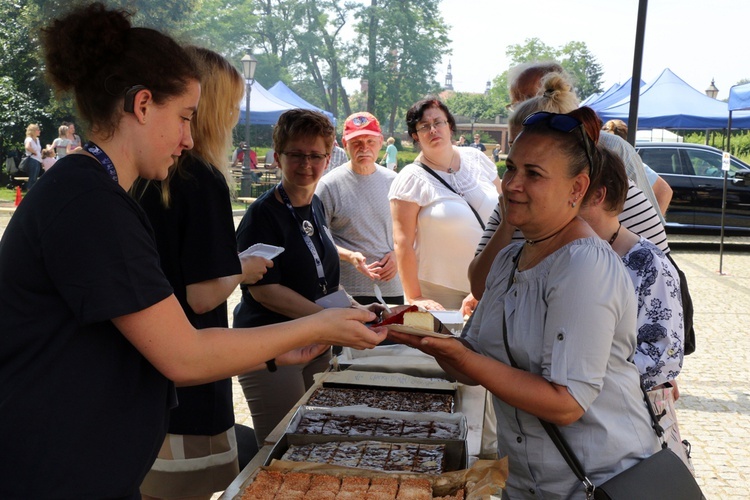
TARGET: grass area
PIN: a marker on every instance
(7, 194)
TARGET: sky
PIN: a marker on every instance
(697, 40)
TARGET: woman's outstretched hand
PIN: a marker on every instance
(346, 327)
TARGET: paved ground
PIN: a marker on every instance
(714, 410)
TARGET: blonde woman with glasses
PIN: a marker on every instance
(439, 205)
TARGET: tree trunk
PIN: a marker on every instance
(373, 56)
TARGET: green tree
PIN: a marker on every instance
(402, 42)
(583, 67)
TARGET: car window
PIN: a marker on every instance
(708, 163)
(705, 163)
(662, 161)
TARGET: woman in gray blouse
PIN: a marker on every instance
(554, 334)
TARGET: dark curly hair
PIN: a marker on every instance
(110, 57)
(417, 110)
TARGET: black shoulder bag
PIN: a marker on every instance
(436, 176)
(662, 476)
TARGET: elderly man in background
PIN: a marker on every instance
(524, 83)
(355, 197)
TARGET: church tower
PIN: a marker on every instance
(448, 78)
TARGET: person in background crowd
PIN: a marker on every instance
(191, 213)
(391, 154)
(338, 157)
(547, 340)
(355, 198)
(525, 81)
(662, 191)
(48, 158)
(477, 144)
(439, 204)
(462, 142)
(638, 214)
(661, 335)
(496, 154)
(292, 217)
(75, 139)
(112, 340)
(34, 151)
(62, 145)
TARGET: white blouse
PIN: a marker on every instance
(447, 229)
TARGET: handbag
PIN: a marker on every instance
(23, 167)
(662, 476)
(687, 309)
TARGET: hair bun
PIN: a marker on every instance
(80, 43)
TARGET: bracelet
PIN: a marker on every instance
(271, 365)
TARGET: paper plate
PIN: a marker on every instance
(419, 332)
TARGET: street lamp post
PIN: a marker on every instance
(711, 92)
(248, 71)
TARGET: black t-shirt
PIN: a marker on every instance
(82, 412)
(269, 221)
(195, 238)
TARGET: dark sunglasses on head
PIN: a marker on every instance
(563, 123)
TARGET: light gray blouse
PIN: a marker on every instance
(571, 319)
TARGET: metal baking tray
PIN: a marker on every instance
(457, 419)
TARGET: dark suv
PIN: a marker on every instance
(694, 173)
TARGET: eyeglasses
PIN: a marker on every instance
(564, 123)
(438, 124)
(316, 159)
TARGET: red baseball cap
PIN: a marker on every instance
(362, 123)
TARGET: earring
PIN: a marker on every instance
(573, 204)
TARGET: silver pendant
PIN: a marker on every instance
(308, 228)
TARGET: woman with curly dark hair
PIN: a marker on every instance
(93, 338)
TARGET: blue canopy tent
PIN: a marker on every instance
(669, 102)
(280, 90)
(265, 108)
(613, 95)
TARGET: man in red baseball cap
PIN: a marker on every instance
(355, 197)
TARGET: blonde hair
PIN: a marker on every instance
(62, 131)
(32, 127)
(222, 87)
(617, 127)
(556, 95)
(390, 140)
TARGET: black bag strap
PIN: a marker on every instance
(436, 176)
(554, 433)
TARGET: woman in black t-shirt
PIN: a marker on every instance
(290, 216)
(92, 339)
(191, 213)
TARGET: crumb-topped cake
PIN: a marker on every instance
(270, 485)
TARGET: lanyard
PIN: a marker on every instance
(102, 157)
(310, 245)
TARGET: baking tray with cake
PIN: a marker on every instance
(368, 423)
(419, 456)
(321, 481)
(384, 398)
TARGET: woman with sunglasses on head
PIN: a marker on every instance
(554, 335)
(439, 206)
(91, 331)
(289, 216)
(638, 214)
